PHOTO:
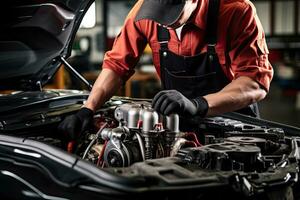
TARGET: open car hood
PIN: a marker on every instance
(35, 36)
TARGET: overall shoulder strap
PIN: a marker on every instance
(163, 36)
(212, 22)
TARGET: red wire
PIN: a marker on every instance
(139, 124)
(100, 157)
(194, 138)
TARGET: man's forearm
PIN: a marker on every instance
(107, 83)
(238, 94)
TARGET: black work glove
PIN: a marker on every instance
(76, 124)
(172, 101)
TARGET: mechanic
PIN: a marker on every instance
(211, 56)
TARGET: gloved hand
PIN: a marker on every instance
(76, 124)
(172, 101)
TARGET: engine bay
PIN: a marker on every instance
(131, 140)
(127, 131)
(133, 132)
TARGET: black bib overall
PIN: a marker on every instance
(198, 75)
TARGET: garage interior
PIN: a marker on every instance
(53, 147)
(281, 22)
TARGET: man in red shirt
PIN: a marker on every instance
(211, 56)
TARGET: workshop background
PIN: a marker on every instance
(281, 22)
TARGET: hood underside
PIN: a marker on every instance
(35, 34)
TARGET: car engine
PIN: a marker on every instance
(134, 132)
(141, 134)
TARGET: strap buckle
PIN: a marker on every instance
(163, 42)
(211, 49)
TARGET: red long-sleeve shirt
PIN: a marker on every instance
(241, 47)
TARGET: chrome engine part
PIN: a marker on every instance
(142, 134)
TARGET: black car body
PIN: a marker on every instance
(230, 156)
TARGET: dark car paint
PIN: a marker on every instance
(34, 37)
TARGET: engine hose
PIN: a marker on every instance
(141, 144)
(100, 158)
(93, 141)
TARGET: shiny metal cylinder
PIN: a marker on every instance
(133, 117)
(106, 133)
(116, 133)
(122, 112)
(172, 123)
(150, 118)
